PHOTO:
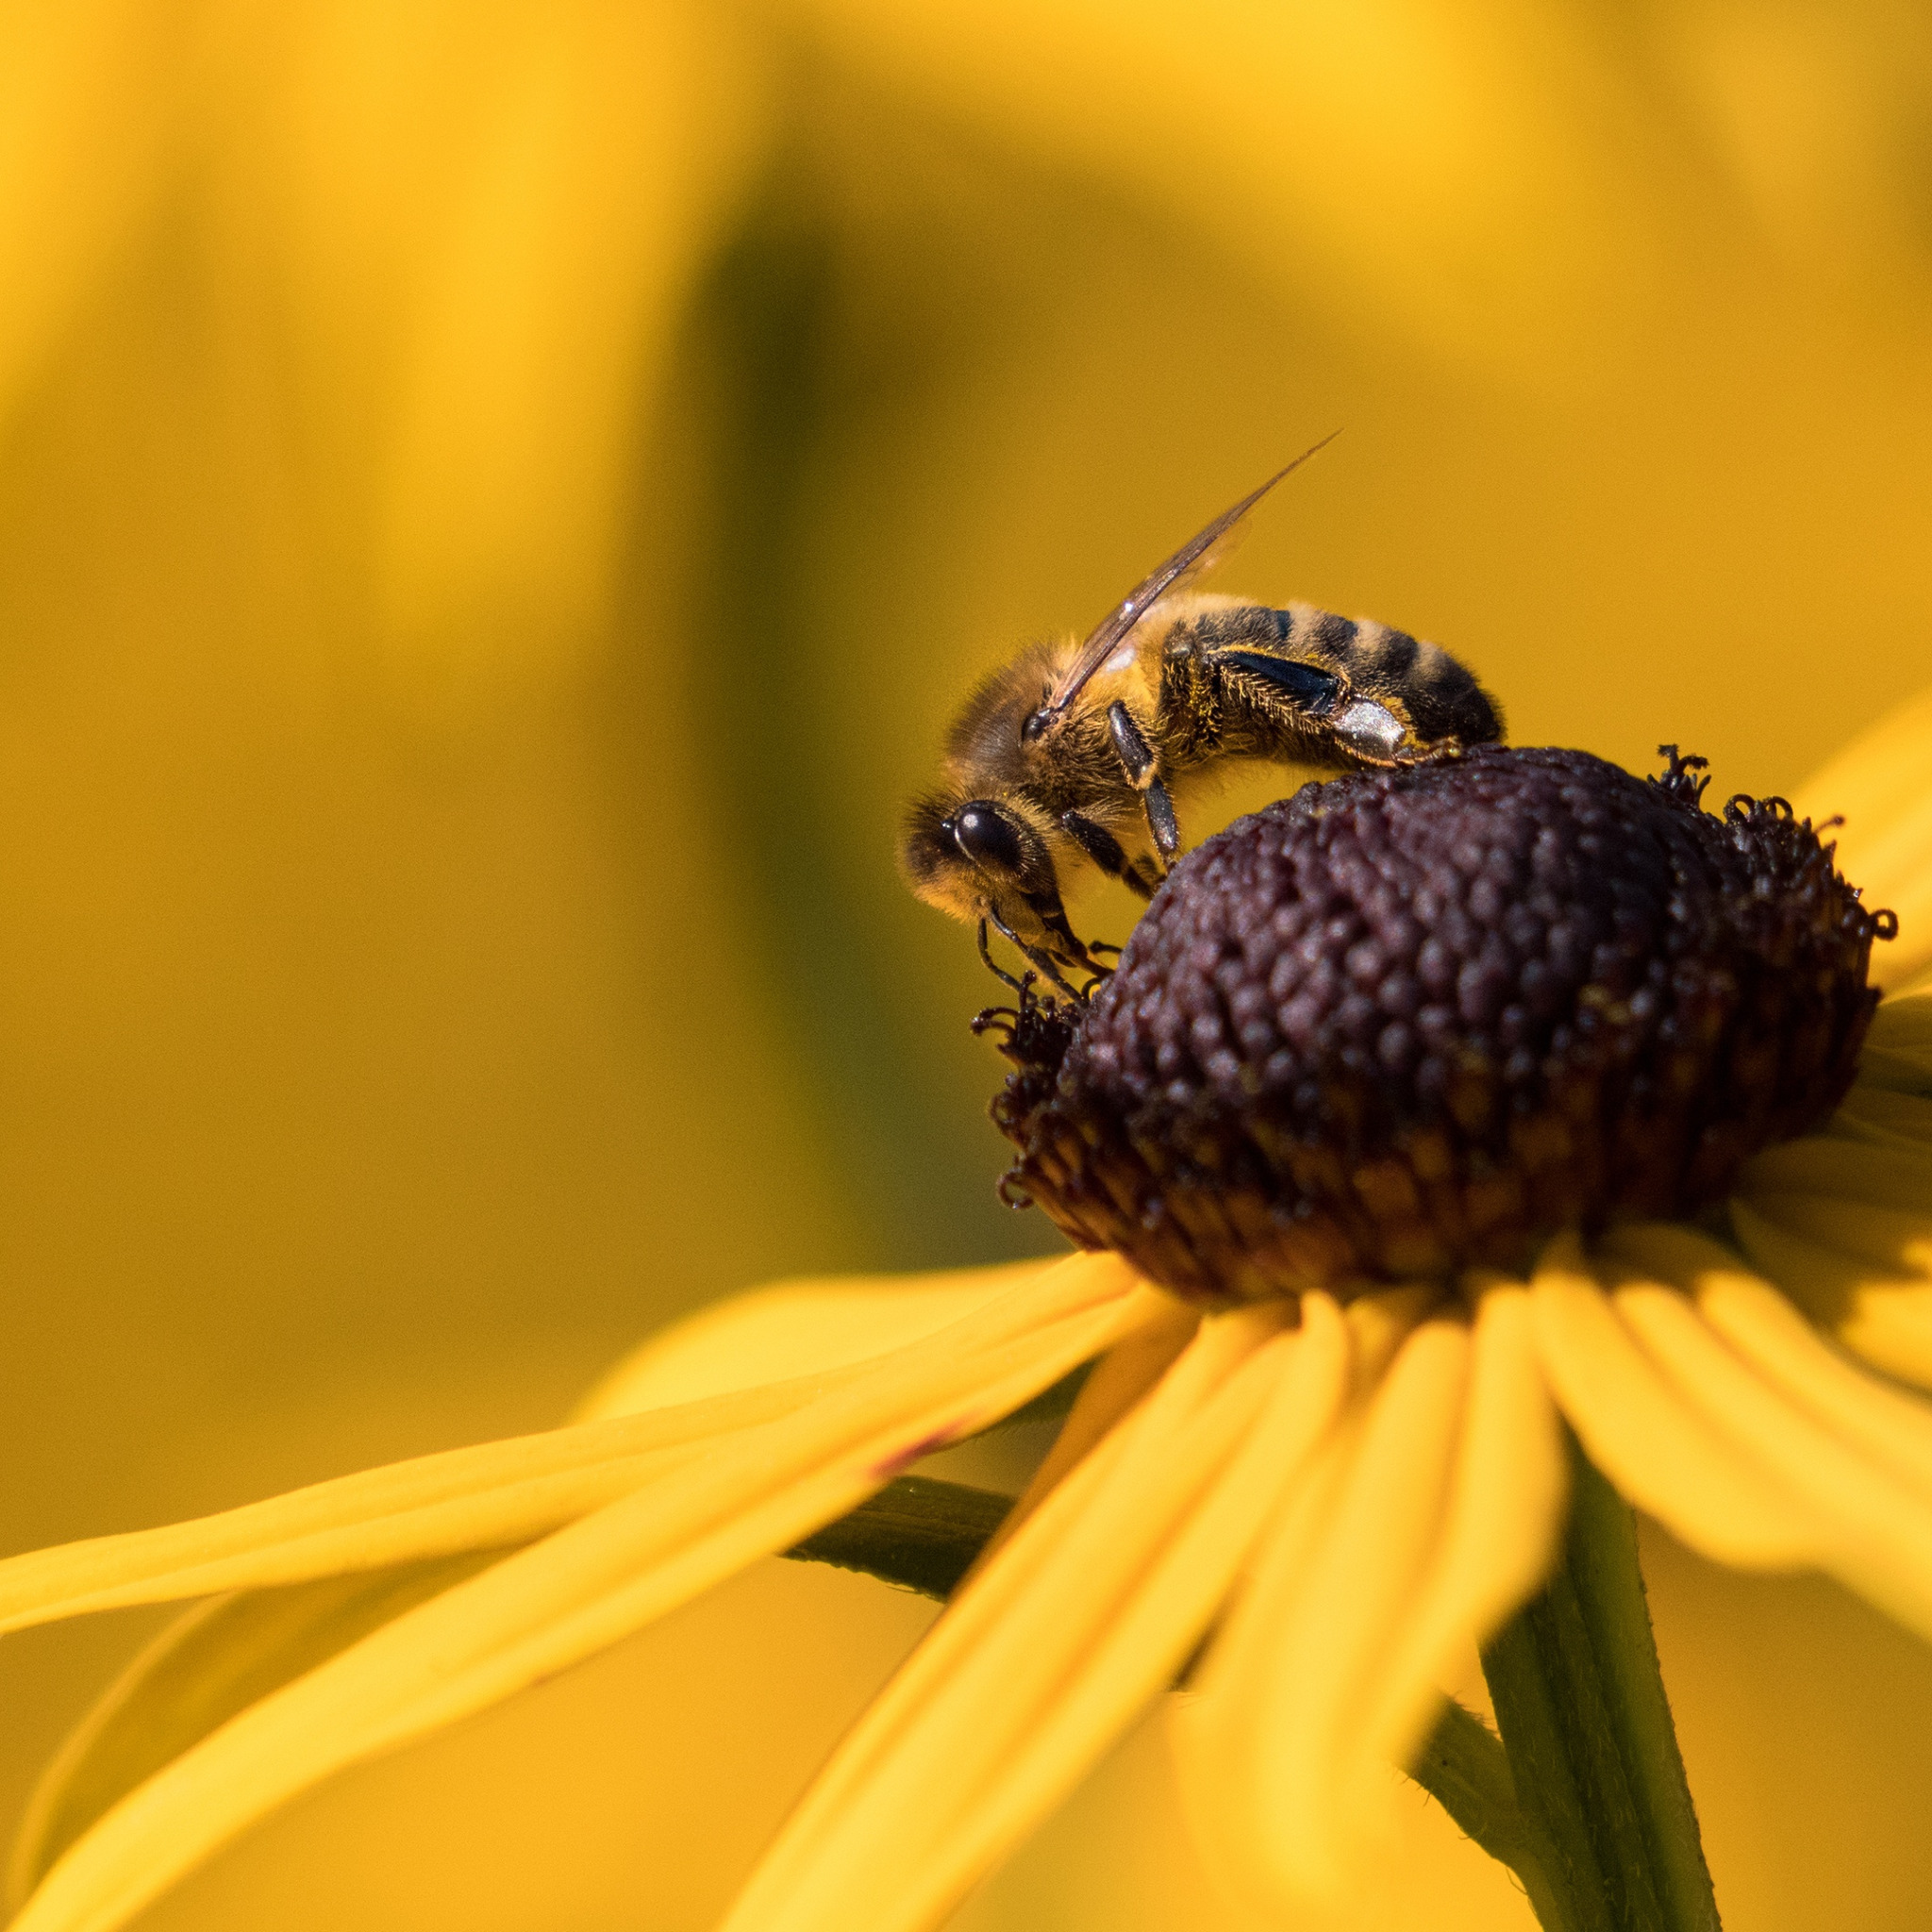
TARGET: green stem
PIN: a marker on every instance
(1586, 1723)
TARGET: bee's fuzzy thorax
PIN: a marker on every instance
(1071, 753)
(1411, 1021)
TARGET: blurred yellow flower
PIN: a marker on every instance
(474, 474)
(1346, 1496)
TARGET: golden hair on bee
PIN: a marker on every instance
(1072, 753)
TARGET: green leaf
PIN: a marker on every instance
(1466, 1770)
(917, 1533)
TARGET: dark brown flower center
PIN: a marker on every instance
(1410, 1020)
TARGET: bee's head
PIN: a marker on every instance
(988, 858)
(970, 856)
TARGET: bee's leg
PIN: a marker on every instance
(1043, 960)
(1304, 698)
(1162, 824)
(1308, 689)
(1105, 850)
(1063, 943)
(993, 965)
(1373, 732)
(1137, 761)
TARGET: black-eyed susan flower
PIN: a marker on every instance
(1426, 1113)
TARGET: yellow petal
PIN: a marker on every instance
(1120, 1379)
(794, 1328)
(1638, 1429)
(1884, 1118)
(1281, 1768)
(1867, 1529)
(1879, 784)
(1840, 1170)
(1898, 1050)
(1214, 1746)
(1851, 1457)
(218, 1659)
(1509, 1494)
(1335, 1629)
(1765, 1329)
(1893, 1243)
(1047, 1655)
(1886, 1319)
(545, 1607)
(502, 1493)
(495, 1496)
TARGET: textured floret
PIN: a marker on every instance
(1410, 1020)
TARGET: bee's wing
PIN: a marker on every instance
(1189, 558)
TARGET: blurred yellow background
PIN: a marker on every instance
(496, 504)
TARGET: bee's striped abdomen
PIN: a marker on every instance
(1422, 681)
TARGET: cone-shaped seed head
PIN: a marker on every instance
(1411, 1021)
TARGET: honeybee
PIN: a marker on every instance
(1072, 754)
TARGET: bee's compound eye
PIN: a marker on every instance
(987, 836)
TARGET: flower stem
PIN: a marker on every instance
(1593, 1755)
